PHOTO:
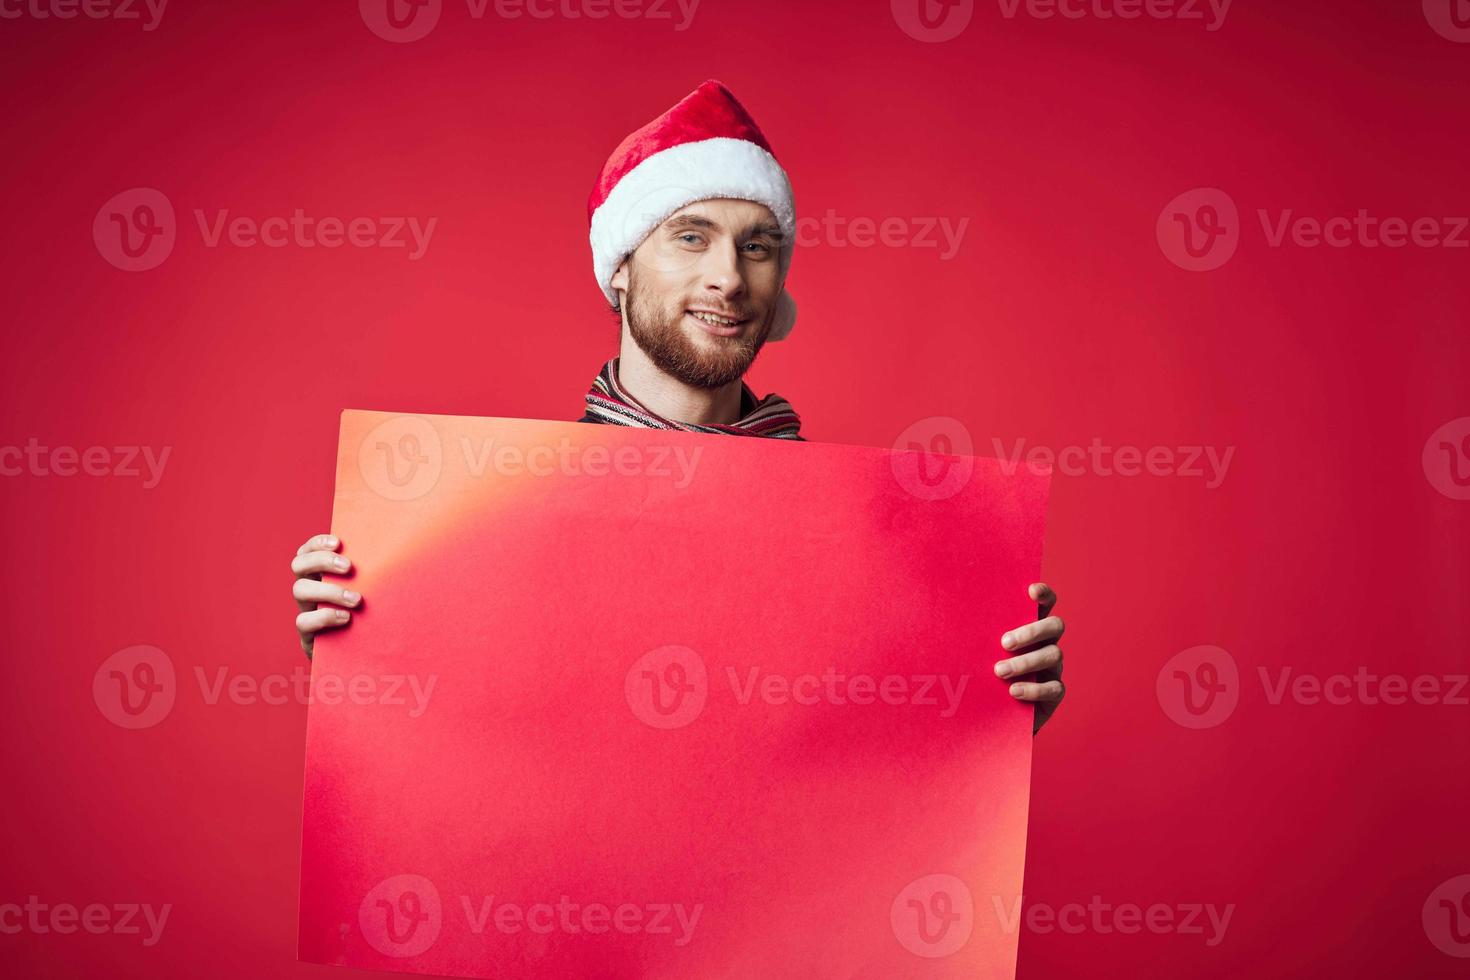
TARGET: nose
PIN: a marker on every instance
(721, 273)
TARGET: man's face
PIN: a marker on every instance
(707, 265)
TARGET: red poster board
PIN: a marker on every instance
(634, 703)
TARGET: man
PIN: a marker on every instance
(692, 231)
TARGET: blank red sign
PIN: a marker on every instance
(634, 703)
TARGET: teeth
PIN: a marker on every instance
(718, 321)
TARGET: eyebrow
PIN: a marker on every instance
(699, 221)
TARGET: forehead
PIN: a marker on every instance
(738, 215)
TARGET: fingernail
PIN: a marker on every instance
(349, 596)
(330, 540)
(1003, 669)
(1008, 640)
(339, 563)
(1016, 690)
(343, 615)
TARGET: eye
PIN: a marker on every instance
(761, 247)
(691, 237)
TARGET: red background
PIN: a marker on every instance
(1059, 321)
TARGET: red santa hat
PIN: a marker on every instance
(705, 147)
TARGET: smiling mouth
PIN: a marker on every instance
(720, 326)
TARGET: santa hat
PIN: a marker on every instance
(705, 147)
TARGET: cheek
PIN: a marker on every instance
(764, 279)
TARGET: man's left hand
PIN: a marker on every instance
(1035, 653)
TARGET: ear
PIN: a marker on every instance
(619, 280)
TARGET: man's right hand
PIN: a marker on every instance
(318, 555)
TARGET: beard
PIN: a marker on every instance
(658, 330)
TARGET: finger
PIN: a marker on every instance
(308, 590)
(1046, 630)
(1044, 597)
(317, 562)
(1029, 663)
(315, 620)
(319, 542)
(1033, 691)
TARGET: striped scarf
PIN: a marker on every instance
(610, 403)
